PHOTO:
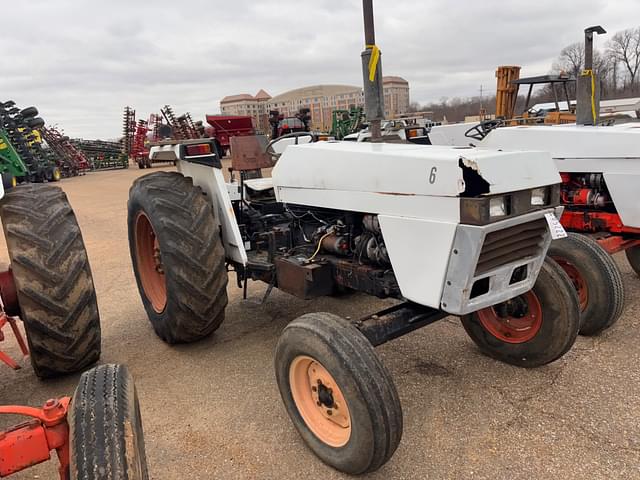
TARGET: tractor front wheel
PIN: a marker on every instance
(105, 427)
(53, 281)
(633, 255)
(338, 394)
(532, 329)
(177, 256)
(596, 278)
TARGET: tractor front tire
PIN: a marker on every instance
(178, 257)
(596, 278)
(633, 256)
(532, 329)
(339, 395)
(105, 427)
(53, 279)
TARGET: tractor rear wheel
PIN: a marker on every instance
(532, 329)
(339, 395)
(596, 278)
(105, 427)
(633, 255)
(53, 279)
(177, 256)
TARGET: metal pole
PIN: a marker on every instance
(373, 94)
(588, 49)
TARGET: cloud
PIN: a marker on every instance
(80, 62)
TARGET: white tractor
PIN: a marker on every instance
(600, 170)
(445, 231)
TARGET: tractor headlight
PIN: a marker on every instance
(539, 196)
(497, 207)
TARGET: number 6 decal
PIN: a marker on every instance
(432, 175)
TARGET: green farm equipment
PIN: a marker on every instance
(19, 129)
(346, 122)
(11, 165)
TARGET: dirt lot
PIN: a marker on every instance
(212, 410)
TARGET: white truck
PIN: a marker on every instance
(600, 171)
(445, 231)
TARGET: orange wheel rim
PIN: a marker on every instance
(515, 321)
(149, 260)
(320, 401)
(577, 279)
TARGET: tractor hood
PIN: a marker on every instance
(569, 141)
(410, 170)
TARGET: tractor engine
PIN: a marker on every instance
(585, 190)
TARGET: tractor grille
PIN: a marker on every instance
(510, 244)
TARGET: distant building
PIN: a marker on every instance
(396, 96)
(321, 100)
(245, 104)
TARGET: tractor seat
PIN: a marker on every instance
(259, 184)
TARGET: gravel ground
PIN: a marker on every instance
(211, 410)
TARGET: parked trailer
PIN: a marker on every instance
(223, 127)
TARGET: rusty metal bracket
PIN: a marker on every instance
(397, 321)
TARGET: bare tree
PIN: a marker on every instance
(571, 59)
(624, 46)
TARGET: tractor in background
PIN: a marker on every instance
(281, 125)
(600, 170)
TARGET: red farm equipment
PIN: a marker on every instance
(140, 148)
(71, 160)
(223, 127)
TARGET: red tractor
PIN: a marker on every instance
(281, 125)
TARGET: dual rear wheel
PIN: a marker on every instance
(596, 279)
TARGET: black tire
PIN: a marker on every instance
(596, 277)
(633, 255)
(105, 427)
(192, 298)
(141, 164)
(53, 279)
(54, 174)
(557, 331)
(368, 390)
(8, 180)
(29, 112)
(35, 123)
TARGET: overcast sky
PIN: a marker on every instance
(81, 62)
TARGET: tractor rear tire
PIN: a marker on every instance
(350, 415)
(53, 279)
(178, 257)
(543, 327)
(633, 256)
(105, 427)
(596, 278)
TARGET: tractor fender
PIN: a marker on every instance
(212, 183)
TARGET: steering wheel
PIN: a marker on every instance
(481, 130)
(272, 153)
